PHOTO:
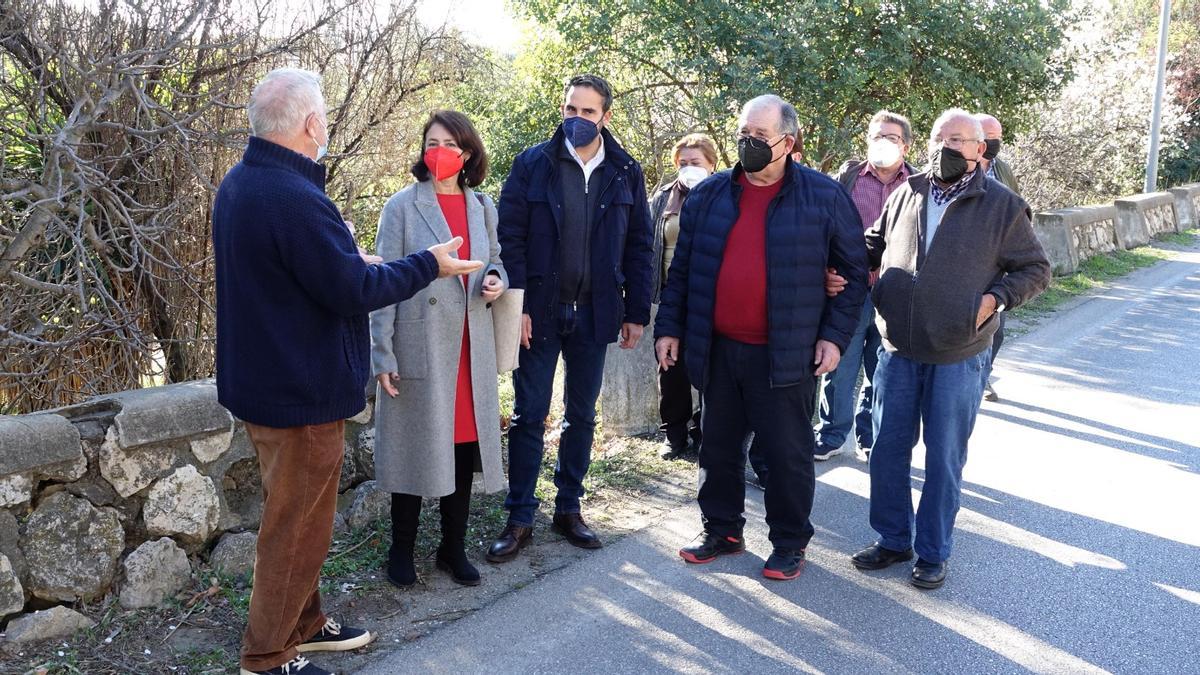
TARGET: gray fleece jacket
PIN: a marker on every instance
(926, 304)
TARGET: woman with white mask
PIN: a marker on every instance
(695, 158)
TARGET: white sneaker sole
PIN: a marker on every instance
(342, 646)
(250, 672)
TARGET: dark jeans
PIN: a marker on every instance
(738, 398)
(838, 388)
(944, 399)
(533, 382)
(680, 419)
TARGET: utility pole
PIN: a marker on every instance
(1156, 111)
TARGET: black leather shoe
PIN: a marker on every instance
(709, 546)
(510, 542)
(928, 575)
(571, 526)
(876, 557)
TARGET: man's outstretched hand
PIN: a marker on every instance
(448, 265)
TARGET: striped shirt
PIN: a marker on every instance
(869, 192)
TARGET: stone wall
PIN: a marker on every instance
(1073, 235)
(125, 494)
(1187, 206)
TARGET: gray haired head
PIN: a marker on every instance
(789, 121)
(956, 114)
(283, 100)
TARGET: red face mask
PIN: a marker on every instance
(443, 162)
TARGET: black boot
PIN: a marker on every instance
(455, 508)
(406, 513)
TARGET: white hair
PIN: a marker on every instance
(789, 122)
(954, 114)
(282, 101)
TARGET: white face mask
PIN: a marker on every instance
(322, 150)
(883, 153)
(690, 176)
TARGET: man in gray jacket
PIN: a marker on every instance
(955, 249)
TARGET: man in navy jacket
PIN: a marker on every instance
(574, 233)
(293, 347)
(746, 292)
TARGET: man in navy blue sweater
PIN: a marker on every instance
(293, 294)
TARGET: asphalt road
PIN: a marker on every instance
(1077, 547)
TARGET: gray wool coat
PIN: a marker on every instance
(421, 338)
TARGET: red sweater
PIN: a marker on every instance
(741, 308)
(454, 208)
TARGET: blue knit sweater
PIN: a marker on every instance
(293, 343)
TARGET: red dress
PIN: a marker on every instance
(454, 208)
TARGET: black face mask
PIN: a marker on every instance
(993, 149)
(947, 164)
(754, 153)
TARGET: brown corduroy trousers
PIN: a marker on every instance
(300, 469)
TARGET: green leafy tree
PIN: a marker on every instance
(838, 62)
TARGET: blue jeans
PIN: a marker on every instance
(944, 399)
(533, 384)
(837, 388)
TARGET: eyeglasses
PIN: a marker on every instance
(741, 135)
(955, 142)
(890, 137)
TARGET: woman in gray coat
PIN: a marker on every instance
(434, 355)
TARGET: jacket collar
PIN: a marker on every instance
(261, 152)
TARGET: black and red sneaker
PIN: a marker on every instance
(784, 564)
(709, 546)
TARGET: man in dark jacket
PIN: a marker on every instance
(746, 292)
(870, 182)
(293, 347)
(955, 249)
(574, 233)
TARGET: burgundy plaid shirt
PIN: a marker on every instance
(870, 193)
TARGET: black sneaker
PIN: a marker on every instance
(784, 564)
(335, 638)
(297, 666)
(824, 452)
(710, 547)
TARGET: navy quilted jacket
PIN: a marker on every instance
(811, 225)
